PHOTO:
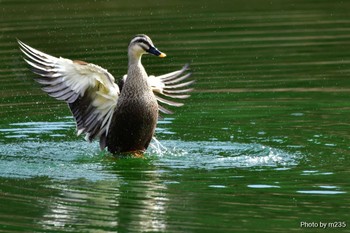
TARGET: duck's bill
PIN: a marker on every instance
(156, 52)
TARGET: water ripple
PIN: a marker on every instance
(79, 159)
(218, 155)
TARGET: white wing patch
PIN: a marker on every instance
(170, 85)
(88, 89)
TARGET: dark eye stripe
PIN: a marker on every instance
(140, 40)
(143, 41)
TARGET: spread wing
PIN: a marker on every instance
(169, 85)
(88, 89)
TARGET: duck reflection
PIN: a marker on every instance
(136, 200)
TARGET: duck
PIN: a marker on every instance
(123, 115)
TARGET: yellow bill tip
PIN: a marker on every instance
(162, 55)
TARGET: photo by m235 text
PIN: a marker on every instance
(323, 224)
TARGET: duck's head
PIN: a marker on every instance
(142, 44)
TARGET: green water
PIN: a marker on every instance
(262, 145)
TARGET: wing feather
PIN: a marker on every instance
(169, 85)
(179, 85)
(161, 85)
(169, 102)
(88, 89)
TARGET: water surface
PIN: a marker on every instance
(261, 146)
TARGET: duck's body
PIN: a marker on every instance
(123, 117)
(134, 121)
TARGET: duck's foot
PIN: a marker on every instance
(137, 154)
(130, 154)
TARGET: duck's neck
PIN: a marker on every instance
(135, 68)
(134, 59)
(137, 76)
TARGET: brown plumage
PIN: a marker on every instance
(122, 116)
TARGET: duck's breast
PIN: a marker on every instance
(135, 118)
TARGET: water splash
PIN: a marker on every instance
(79, 159)
(62, 159)
(157, 147)
(219, 155)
